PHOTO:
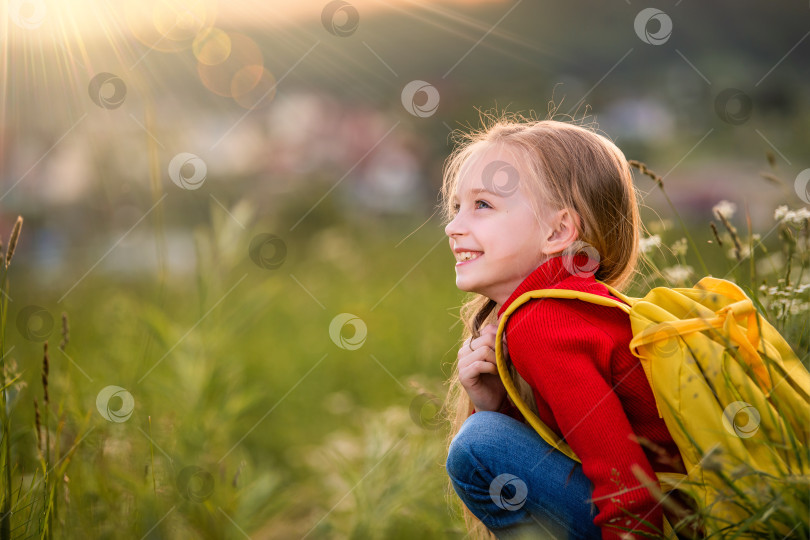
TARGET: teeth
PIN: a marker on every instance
(467, 255)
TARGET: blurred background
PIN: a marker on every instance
(234, 204)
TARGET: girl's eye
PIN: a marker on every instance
(457, 207)
(486, 204)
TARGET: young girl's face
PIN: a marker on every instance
(496, 225)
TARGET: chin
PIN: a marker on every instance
(462, 287)
(466, 286)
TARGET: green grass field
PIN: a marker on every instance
(246, 418)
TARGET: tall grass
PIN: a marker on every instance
(768, 500)
(235, 428)
(9, 379)
(251, 420)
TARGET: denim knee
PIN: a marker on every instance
(475, 430)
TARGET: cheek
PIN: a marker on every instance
(532, 247)
(532, 235)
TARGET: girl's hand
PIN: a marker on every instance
(478, 372)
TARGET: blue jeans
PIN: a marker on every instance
(517, 484)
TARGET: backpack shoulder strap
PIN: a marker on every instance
(547, 433)
(667, 481)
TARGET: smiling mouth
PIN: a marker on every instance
(464, 256)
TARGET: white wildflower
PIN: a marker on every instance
(724, 208)
(745, 251)
(678, 273)
(646, 244)
(797, 218)
(679, 247)
(794, 308)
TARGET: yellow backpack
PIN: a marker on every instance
(734, 396)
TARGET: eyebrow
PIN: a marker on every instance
(476, 191)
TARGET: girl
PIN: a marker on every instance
(520, 198)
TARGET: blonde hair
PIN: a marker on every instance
(570, 166)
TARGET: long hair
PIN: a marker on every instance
(570, 166)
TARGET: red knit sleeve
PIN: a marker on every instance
(566, 359)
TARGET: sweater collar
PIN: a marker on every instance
(551, 273)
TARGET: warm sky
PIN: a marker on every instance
(97, 18)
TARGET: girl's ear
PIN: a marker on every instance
(564, 231)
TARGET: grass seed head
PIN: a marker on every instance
(12, 241)
(45, 369)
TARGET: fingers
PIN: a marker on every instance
(470, 375)
(478, 349)
(487, 337)
(473, 370)
(478, 370)
(483, 350)
(482, 366)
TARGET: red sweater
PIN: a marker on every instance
(591, 391)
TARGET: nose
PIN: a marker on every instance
(455, 227)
